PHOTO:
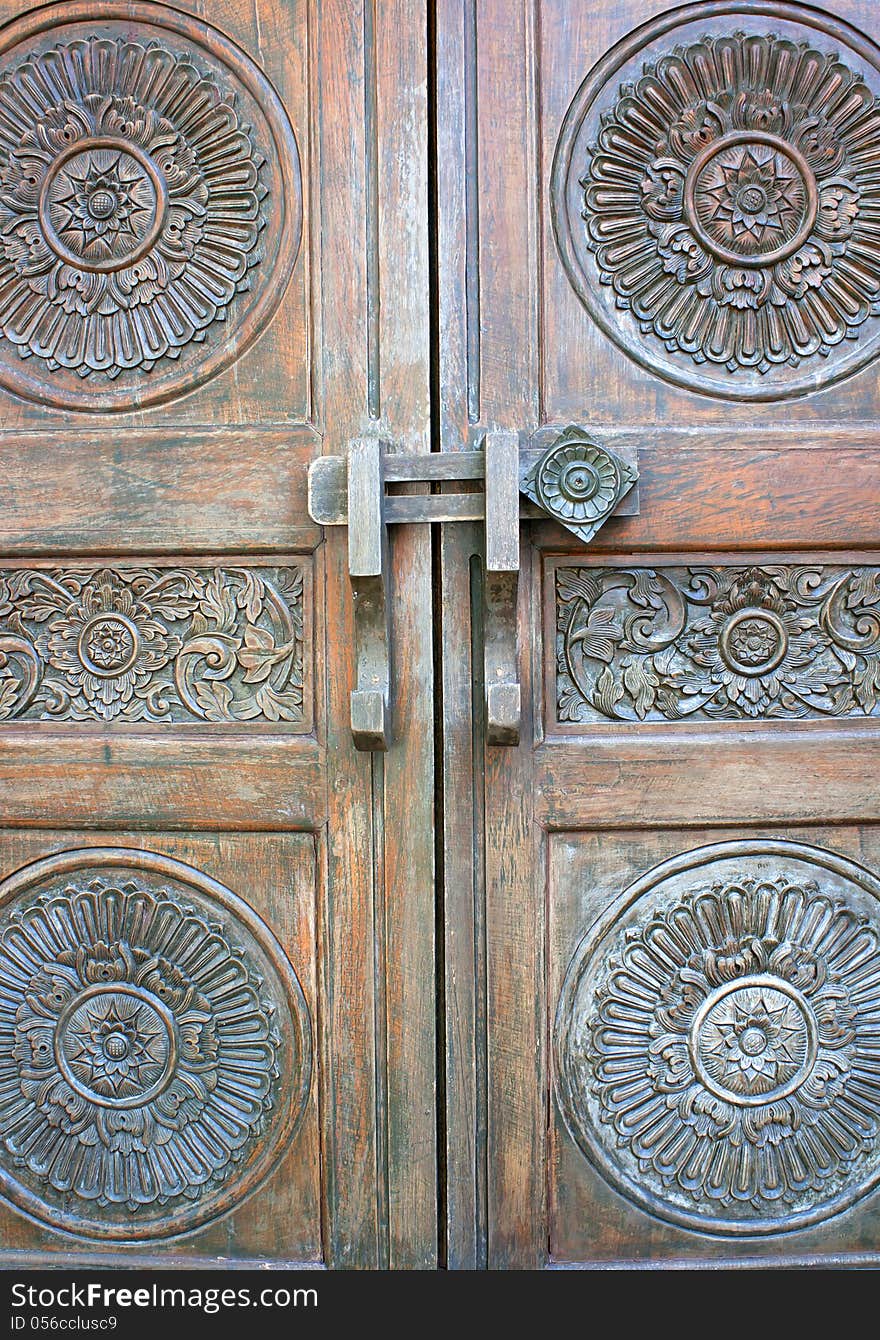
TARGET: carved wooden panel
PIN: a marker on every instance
(150, 203)
(776, 641)
(218, 644)
(155, 1045)
(717, 1043)
(715, 203)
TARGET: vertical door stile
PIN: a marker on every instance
(376, 369)
(405, 776)
(463, 893)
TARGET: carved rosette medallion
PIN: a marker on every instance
(718, 1052)
(150, 204)
(153, 644)
(578, 483)
(716, 206)
(154, 1045)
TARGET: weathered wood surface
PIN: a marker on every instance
(278, 874)
(220, 474)
(579, 807)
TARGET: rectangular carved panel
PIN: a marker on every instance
(619, 906)
(236, 988)
(153, 644)
(776, 641)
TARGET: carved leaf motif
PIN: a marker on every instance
(717, 643)
(641, 683)
(866, 686)
(215, 700)
(607, 693)
(143, 644)
(9, 691)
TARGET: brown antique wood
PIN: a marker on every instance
(629, 276)
(174, 633)
(699, 703)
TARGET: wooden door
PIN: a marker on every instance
(213, 261)
(659, 228)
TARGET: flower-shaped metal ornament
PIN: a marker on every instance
(578, 483)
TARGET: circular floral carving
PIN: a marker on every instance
(716, 207)
(577, 481)
(753, 643)
(135, 200)
(108, 644)
(717, 1041)
(146, 1077)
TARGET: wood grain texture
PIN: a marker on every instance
(402, 111)
(488, 350)
(462, 898)
(774, 482)
(278, 876)
(107, 492)
(381, 1193)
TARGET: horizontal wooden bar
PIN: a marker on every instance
(107, 780)
(642, 776)
(199, 490)
(435, 507)
(436, 466)
(766, 491)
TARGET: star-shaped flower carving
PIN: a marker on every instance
(755, 198)
(107, 198)
(757, 1042)
(117, 1049)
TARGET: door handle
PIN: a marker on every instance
(566, 476)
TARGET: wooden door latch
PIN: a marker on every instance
(565, 476)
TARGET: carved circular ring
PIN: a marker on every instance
(753, 1040)
(108, 645)
(714, 204)
(150, 203)
(93, 182)
(717, 1043)
(753, 642)
(719, 216)
(116, 1046)
(155, 1045)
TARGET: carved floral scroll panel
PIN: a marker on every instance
(165, 645)
(715, 202)
(702, 642)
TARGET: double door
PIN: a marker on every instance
(500, 891)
